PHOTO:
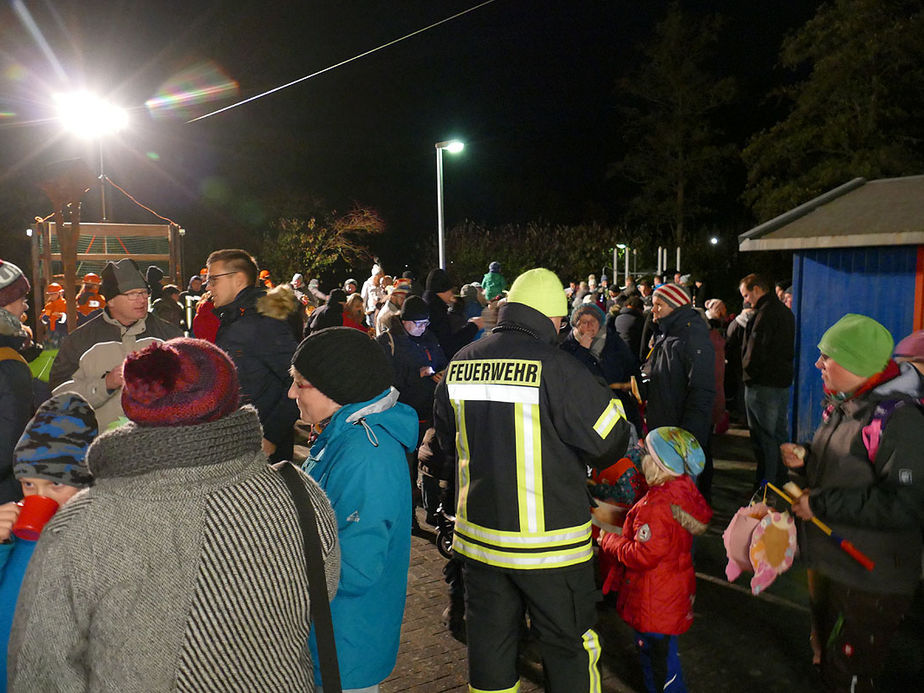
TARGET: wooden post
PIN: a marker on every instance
(65, 183)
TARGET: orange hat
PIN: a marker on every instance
(92, 278)
(264, 274)
(53, 288)
(204, 272)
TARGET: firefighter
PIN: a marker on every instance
(89, 301)
(522, 419)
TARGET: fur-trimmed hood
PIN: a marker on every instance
(278, 302)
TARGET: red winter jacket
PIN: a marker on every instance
(655, 575)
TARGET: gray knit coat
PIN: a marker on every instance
(182, 569)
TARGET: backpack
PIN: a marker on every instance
(872, 432)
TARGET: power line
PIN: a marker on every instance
(342, 62)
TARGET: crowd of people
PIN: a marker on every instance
(168, 419)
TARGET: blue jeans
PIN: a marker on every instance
(660, 660)
(768, 419)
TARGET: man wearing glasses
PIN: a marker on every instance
(256, 335)
(90, 359)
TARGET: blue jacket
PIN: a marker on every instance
(360, 462)
(14, 559)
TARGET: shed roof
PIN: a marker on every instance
(888, 211)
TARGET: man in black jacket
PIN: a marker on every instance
(522, 418)
(256, 335)
(438, 297)
(767, 354)
(681, 368)
(629, 322)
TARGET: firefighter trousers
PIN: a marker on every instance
(562, 609)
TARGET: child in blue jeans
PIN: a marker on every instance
(653, 569)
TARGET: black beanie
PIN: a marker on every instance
(344, 364)
(415, 308)
(438, 281)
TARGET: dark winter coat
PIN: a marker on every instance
(15, 410)
(408, 355)
(328, 315)
(878, 506)
(256, 335)
(681, 370)
(768, 349)
(440, 325)
(524, 416)
(658, 583)
(628, 324)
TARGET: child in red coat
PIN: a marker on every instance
(654, 564)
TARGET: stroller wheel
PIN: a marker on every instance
(444, 542)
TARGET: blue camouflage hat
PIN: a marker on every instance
(676, 451)
(54, 445)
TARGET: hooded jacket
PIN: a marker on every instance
(360, 462)
(681, 370)
(658, 583)
(521, 419)
(255, 333)
(877, 505)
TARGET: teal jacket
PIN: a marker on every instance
(360, 462)
(14, 559)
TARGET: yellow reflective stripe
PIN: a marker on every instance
(521, 540)
(592, 647)
(463, 472)
(529, 468)
(522, 561)
(514, 689)
(614, 412)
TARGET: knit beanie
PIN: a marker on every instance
(402, 288)
(587, 308)
(415, 308)
(337, 296)
(859, 344)
(676, 451)
(438, 281)
(911, 347)
(121, 276)
(494, 267)
(541, 290)
(181, 382)
(54, 444)
(673, 294)
(344, 364)
(13, 283)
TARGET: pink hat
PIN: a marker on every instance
(912, 346)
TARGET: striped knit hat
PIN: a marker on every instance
(181, 382)
(673, 294)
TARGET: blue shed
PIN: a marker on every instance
(856, 249)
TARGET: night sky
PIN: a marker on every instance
(527, 84)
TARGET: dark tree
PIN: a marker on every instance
(675, 153)
(859, 112)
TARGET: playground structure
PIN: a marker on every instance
(96, 244)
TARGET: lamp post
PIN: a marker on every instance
(453, 147)
(90, 117)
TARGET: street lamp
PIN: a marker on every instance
(90, 117)
(453, 147)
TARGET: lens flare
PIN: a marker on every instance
(202, 83)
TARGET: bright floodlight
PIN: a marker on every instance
(714, 240)
(451, 146)
(89, 116)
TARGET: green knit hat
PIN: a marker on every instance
(542, 290)
(859, 344)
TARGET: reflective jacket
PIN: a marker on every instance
(522, 418)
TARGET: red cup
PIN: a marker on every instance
(35, 513)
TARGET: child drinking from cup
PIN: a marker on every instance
(653, 564)
(50, 464)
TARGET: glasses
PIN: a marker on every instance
(135, 295)
(302, 384)
(421, 323)
(210, 277)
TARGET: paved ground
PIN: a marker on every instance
(738, 642)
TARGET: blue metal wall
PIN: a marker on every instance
(878, 282)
